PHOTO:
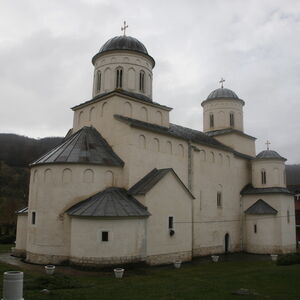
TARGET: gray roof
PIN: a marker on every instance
(122, 93)
(250, 190)
(222, 93)
(228, 130)
(151, 179)
(260, 207)
(181, 132)
(22, 211)
(84, 146)
(269, 154)
(122, 42)
(112, 202)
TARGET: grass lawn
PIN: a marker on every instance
(197, 280)
(4, 248)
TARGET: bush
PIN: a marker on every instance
(288, 259)
(7, 239)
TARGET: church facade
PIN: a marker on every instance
(126, 185)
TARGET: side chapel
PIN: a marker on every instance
(126, 185)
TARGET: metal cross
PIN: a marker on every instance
(124, 28)
(268, 144)
(221, 81)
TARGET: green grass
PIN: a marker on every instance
(198, 280)
(4, 248)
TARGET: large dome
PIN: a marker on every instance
(122, 42)
(222, 93)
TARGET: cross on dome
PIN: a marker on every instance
(221, 81)
(124, 28)
(268, 145)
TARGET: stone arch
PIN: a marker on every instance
(169, 147)
(92, 113)
(159, 117)
(127, 109)
(109, 178)
(67, 175)
(104, 109)
(202, 155)
(48, 176)
(156, 146)
(142, 142)
(107, 79)
(131, 79)
(80, 118)
(180, 150)
(144, 113)
(88, 176)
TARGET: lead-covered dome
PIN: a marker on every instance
(127, 43)
(269, 154)
(222, 93)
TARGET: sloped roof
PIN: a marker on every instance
(222, 93)
(181, 132)
(260, 207)
(22, 211)
(112, 202)
(227, 131)
(151, 179)
(84, 146)
(250, 190)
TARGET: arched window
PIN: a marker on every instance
(98, 84)
(231, 119)
(119, 78)
(142, 81)
(211, 120)
(263, 177)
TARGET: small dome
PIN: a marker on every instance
(122, 42)
(222, 93)
(269, 154)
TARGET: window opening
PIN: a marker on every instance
(98, 81)
(33, 218)
(211, 120)
(104, 236)
(263, 177)
(219, 199)
(142, 81)
(255, 228)
(119, 80)
(231, 119)
(171, 222)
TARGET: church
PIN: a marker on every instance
(128, 186)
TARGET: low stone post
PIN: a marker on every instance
(13, 285)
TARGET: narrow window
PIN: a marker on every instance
(98, 81)
(171, 222)
(288, 216)
(255, 228)
(104, 236)
(231, 119)
(263, 177)
(219, 199)
(119, 79)
(142, 81)
(211, 120)
(33, 218)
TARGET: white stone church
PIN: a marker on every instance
(126, 185)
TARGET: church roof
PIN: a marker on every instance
(269, 154)
(122, 92)
(112, 202)
(151, 179)
(250, 190)
(84, 146)
(260, 207)
(181, 132)
(227, 131)
(222, 93)
(123, 42)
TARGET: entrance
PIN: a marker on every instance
(226, 242)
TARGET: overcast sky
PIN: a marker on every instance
(46, 49)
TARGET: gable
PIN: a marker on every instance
(260, 207)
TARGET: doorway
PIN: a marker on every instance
(226, 242)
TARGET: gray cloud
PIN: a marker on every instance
(46, 49)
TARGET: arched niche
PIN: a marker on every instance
(103, 109)
(92, 113)
(159, 117)
(180, 150)
(131, 79)
(276, 176)
(211, 157)
(156, 145)
(35, 175)
(67, 175)
(128, 109)
(202, 155)
(48, 176)
(109, 178)
(221, 118)
(107, 79)
(228, 160)
(169, 147)
(220, 159)
(144, 113)
(142, 142)
(88, 176)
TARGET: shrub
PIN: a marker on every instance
(7, 239)
(288, 259)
